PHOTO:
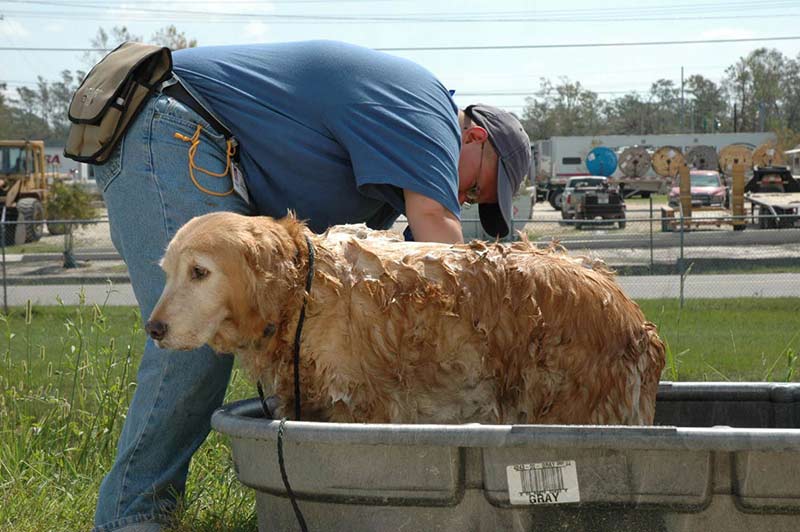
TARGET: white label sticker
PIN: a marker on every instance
(543, 483)
(238, 183)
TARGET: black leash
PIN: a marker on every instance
(268, 414)
(299, 330)
(297, 336)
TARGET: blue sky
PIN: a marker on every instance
(477, 75)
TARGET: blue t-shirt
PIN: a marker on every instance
(330, 130)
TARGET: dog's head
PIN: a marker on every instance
(228, 279)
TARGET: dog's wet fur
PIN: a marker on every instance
(400, 332)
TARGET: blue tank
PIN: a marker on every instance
(601, 161)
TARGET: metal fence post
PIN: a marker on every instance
(652, 265)
(69, 257)
(681, 263)
(3, 241)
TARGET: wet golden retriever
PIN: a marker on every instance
(400, 332)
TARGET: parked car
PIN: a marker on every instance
(707, 188)
(592, 197)
(605, 203)
(575, 189)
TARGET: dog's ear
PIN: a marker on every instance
(255, 253)
(267, 248)
(269, 263)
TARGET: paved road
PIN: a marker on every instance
(713, 286)
(638, 287)
(118, 295)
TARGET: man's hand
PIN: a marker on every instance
(430, 221)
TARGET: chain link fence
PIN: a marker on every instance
(654, 256)
(657, 256)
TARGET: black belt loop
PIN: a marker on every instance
(179, 93)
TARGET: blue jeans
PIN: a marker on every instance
(149, 195)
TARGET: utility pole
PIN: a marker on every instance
(682, 130)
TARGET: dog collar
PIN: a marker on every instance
(297, 336)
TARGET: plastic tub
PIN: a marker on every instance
(725, 457)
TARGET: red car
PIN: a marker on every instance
(708, 189)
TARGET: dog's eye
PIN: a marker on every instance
(198, 272)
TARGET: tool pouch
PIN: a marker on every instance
(110, 97)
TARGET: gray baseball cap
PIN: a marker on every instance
(513, 149)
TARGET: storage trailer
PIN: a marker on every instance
(559, 158)
(774, 196)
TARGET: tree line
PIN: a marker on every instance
(40, 112)
(760, 92)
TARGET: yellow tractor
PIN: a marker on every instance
(23, 190)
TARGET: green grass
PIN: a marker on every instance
(754, 268)
(66, 377)
(729, 339)
(68, 373)
(117, 268)
(658, 199)
(713, 267)
(50, 245)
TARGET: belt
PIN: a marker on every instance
(178, 92)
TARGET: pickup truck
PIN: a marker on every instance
(591, 197)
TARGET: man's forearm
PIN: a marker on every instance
(432, 228)
(430, 221)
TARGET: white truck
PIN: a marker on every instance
(559, 158)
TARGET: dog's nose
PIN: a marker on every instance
(156, 329)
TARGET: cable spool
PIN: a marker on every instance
(634, 161)
(703, 158)
(667, 160)
(767, 155)
(601, 161)
(735, 154)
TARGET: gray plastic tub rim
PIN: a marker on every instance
(244, 419)
(687, 473)
(729, 391)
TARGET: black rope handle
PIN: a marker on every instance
(264, 407)
(298, 514)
